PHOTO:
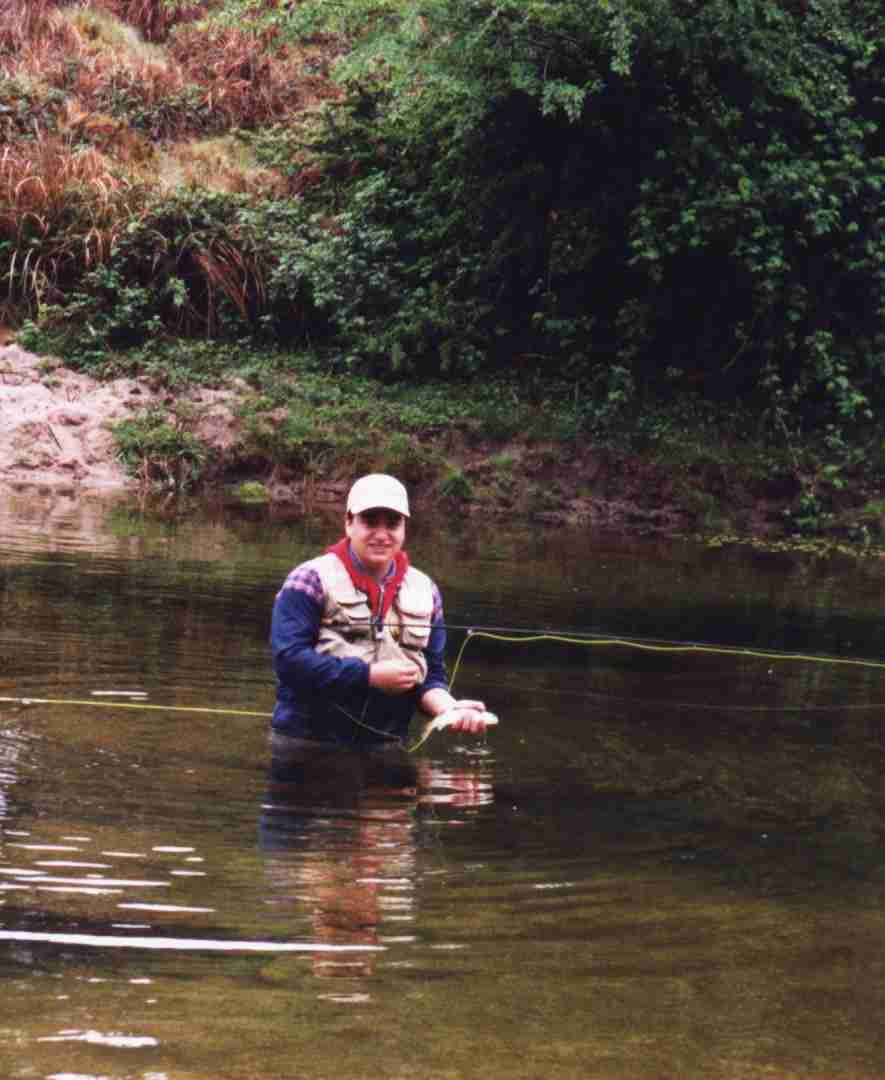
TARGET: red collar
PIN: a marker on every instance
(368, 585)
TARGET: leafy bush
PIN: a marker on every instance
(158, 448)
(600, 192)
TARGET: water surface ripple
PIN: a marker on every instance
(657, 866)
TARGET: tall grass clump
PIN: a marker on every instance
(61, 211)
(188, 263)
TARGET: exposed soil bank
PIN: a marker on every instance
(55, 437)
(55, 424)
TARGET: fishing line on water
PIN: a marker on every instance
(130, 705)
(516, 637)
(520, 636)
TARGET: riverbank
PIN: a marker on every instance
(60, 431)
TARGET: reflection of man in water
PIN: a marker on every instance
(342, 832)
(358, 637)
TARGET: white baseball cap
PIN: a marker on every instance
(378, 490)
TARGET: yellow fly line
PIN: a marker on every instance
(661, 647)
(130, 705)
(514, 639)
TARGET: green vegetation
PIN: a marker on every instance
(456, 486)
(655, 227)
(251, 491)
(159, 451)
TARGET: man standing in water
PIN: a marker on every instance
(358, 638)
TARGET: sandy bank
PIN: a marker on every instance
(55, 423)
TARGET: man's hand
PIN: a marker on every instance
(394, 676)
(467, 716)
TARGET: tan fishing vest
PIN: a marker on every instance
(346, 627)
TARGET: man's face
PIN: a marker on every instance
(376, 536)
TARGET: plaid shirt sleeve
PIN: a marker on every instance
(306, 580)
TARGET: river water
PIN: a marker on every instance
(663, 863)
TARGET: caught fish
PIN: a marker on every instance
(444, 720)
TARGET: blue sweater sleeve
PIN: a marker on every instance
(295, 627)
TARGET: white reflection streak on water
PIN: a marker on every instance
(43, 847)
(168, 907)
(121, 882)
(79, 890)
(70, 864)
(115, 941)
(98, 1038)
(92, 1076)
(390, 883)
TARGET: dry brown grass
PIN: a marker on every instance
(199, 82)
(221, 163)
(73, 175)
(21, 21)
(109, 135)
(97, 62)
(226, 270)
(152, 18)
(80, 51)
(58, 209)
(248, 80)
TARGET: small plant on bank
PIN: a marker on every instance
(503, 462)
(158, 448)
(875, 508)
(406, 456)
(251, 492)
(455, 485)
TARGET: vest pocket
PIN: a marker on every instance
(414, 628)
(352, 619)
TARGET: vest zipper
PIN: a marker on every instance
(378, 621)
